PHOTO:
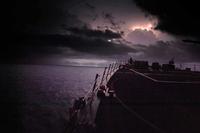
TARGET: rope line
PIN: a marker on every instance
(160, 81)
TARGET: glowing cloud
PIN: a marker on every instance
(147, 27)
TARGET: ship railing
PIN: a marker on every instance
(83, 111)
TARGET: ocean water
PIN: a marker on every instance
(45, 93)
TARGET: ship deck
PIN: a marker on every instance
(143, 105)
(174, 76)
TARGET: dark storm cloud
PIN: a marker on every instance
(43, 16)
(164, 51)
(44, 27)
(115, 25)
(97, 46)
(33, 30)
(175, 16)
(90, 6)
(84, 31)
(178, 18)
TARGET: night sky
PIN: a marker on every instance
(95, 32)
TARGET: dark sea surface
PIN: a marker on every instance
(42, 94)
